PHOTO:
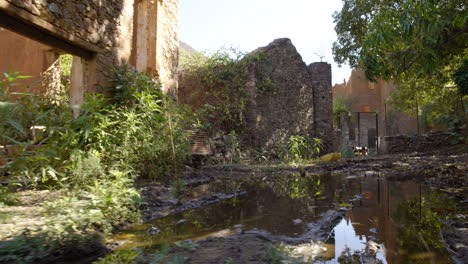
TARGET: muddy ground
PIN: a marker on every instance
(445, 169)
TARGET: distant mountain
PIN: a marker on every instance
(186, 47)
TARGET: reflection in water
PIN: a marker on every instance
(400, 217)
(347, 240)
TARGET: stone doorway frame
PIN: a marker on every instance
(358, 135)
(83, 68)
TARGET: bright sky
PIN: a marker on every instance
(208, 25)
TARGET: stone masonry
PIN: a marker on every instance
(101, 34)
(286, 98)
(416, 143)
(321, 75)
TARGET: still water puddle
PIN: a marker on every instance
(401, 218)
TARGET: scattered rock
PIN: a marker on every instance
(153, 231)
(181, 221)
(53, 7)
(297, 221)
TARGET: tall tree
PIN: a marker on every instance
(419, 44)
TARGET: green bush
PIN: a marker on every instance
(214, 84)
(137, 132)
(128, 132)
(7, 197)
(302, 148)
(341, 107)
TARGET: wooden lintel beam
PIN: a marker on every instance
(33, 32)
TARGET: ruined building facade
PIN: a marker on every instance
(100, 34)
(297, 100)
(376, 116)
(283, 97)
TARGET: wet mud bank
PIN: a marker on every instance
(391, 209)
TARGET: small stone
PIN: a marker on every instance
(40, 2)
(181, 221)
(35, 11)
(171, 202)
(53, 7)
(153, 231)
(297, 221)
(94, 38)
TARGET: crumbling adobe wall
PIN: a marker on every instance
(29, 57)
(321, 75)
(102, 34)
(167, 53)
(281, 96)
(101, 27)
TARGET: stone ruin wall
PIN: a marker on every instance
(416, 143)
(101, 35)
(374, 97)
(167, 52)
(97, 26)
(321, 75)
(298, 101)
(281, 95)
(30, 60)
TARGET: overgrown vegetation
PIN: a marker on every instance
(341, 109)
(302, 148)
(136, 133)
(421, 45)
(216, 82)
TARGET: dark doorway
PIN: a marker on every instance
(371, 137)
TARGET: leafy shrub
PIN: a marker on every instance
(107, 203)
(460, 77)
(346, 151)
(7, 197)
(214, 85)
(97, 156)
(302, 148)
(48, 245)
(341, 107)
(129, 132)
(123, 256)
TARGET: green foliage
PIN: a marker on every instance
(132, 134)
(302, 148)
(7, 197)
(420, 45)
(277, 255)
(282, 255)
(20, 111)
(455, 123)
(233, 148)
(341, 107)
(215, 85)
(61, 96)
(422, 224)
(460, 77)
(389, 38)
(34, 248)
(123, 256)
(346, 151)
(304, 187)
(97, 156)
(66, 62)
(347, 257)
